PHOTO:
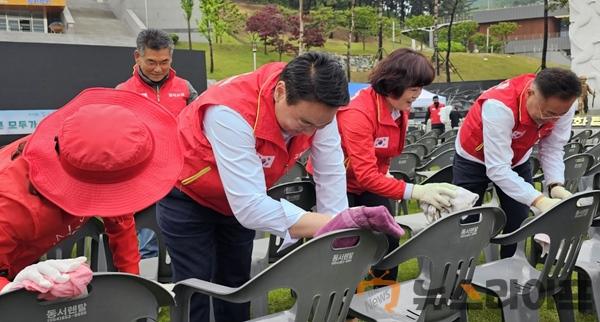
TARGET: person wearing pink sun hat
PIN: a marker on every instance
(107, 153)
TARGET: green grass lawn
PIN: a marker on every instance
(234, 56)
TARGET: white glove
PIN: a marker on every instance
(560, 192)
(53, 269)
(435, 194)
(544, 203)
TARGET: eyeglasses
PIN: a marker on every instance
(546, 116)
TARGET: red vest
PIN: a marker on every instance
(173, 94)
(388, 135)
(251, 95)
(525, 134)
(434, 113)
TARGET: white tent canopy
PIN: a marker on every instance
(424, 100)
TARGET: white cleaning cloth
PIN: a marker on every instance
(464, 199)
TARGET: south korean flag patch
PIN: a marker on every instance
(382, 142)
(266, 160)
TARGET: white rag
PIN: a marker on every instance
(464, 199)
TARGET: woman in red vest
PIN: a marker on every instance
(107, 153)
(498, 134)
(239, 137)
(373, 127)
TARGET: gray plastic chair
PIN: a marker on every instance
(442, 160)
(406, 162)
(114, 297)
(322, 276)
(581, 137)
(519, 286)
(296, 173)
(572, 149)
(587, 267)
(439, 150)
(90, 234)
(595, 151)
(448, 134)
(436, 294)
(417, 222)
(428, 141)
(576, 166)
(416, 148)
(593, 139)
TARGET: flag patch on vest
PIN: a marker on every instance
(266, 160)
(517, 134)
(382, 142)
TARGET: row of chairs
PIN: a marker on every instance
(325, 277)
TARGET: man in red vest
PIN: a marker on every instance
(433, 113)
(239, 137)
(153, 76)
(496, 139)
(106, 153)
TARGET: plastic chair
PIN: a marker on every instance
(115, 297)
(442, 160)
(593, 139)
(296, 173)
(447, 135)
(100, 258)
(587, 267)
(417, 222)
(576, 166)
(439, 150)
(430, 142)
(581, 137)
(436, 294)
(325, 296)
(572, 149)
(406, 163)
(519, 286)
(595, 151)
(416, 148)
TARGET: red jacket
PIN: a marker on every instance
(370, 139)
(172, 94)
(251, 95)
(525, 134)
(30, 225)
(434, 113)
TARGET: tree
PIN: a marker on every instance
(206, 25)
(349, 44)
(313, 34)
(326, 18)
(419, 22)
(463, 31)
(267, 23)
(503, 30)
(232, 19)
(452, 13)
(547, 7)
(365, 22)
(188, 6)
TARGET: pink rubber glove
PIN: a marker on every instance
(373, 218)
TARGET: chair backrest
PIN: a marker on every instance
(567, 225)
(439, 149)
(146, 219)
(446, 268)
(417, 133)
(301, 194)
(406, 162)
(448, 134)
(89, 237)
(410, 139)
(416, 148)
(323, 276)
(443, 175)
(535, 164)
(581, 137)
(297, 172)
(440, 161)
(114, 297)
(576, 167)
(572, 149)
(594, 138)
(430, 142)
(595, 151)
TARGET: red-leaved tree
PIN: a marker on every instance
(269, 24)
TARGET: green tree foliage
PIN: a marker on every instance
(503, 30)
(415, 22)
(188, 6)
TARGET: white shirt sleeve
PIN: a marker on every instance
(551, 148)
(241, 173)
(328, 170)
(498, 122)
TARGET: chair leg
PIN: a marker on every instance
(564, 302)
(595, 285)
(584, 293)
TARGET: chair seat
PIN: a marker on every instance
(514, 269)
(414, 222)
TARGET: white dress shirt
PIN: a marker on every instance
(498, 122)
(240, 169)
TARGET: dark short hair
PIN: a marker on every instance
(315, 77)
(402, 69)
(558, 82)
(435, 97)
(154, 39)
